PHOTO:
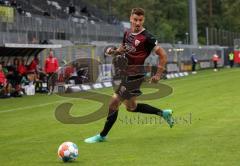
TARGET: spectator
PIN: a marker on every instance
(13, 78)
(68, 72)
(33, 67)
(46, 13)
(34, 41)
(16, 78)
(19, 9)
(194, 62)
(15, 62)
(51, 67)
(6, 2)
(85, 11)
(231, 59)
(14, 3)
(43, 42)
(82, 75)
(71, 9)
(32, 70)
(3, 80)
(22, 70)
(5, 70)
(215, 60)
(10, 74)
(4, 86)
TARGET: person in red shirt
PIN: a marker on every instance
(51, 67)
(22, 70)
(4, 87)
(69, 70)
(33, 67)
(3, 80)
(215, 60)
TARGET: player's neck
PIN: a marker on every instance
(138, 32)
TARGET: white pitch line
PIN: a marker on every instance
(39, 105)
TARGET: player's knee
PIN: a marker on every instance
(130, 108)
(113, 107)
(114, 104)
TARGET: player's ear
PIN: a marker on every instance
(131, 18)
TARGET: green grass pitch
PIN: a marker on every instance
(206, 107)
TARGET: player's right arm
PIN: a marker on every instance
(162, 62)
(113, 51)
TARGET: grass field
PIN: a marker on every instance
(205, 105)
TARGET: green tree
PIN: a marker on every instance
(168, 19)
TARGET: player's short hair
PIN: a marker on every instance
(138, 11)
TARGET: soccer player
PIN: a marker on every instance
(136, 47)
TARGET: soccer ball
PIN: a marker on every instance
(68, 151)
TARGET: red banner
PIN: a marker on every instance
(237, 56)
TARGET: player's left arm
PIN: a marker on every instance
(162, 62)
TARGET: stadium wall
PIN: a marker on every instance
(40, 29)
(99, 67)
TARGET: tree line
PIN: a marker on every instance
(168, 20)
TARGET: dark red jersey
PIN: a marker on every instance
(141, 45)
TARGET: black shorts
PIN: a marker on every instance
(129, 87)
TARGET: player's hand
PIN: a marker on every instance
(122, 49)
(154, 79)
(110, 51)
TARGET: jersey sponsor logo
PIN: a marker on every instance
(137, 42)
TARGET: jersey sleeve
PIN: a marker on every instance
(151, 42)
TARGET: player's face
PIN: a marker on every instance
(50, 54)
(136, 22)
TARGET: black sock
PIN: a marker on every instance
(147, 109)
(112, 117)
